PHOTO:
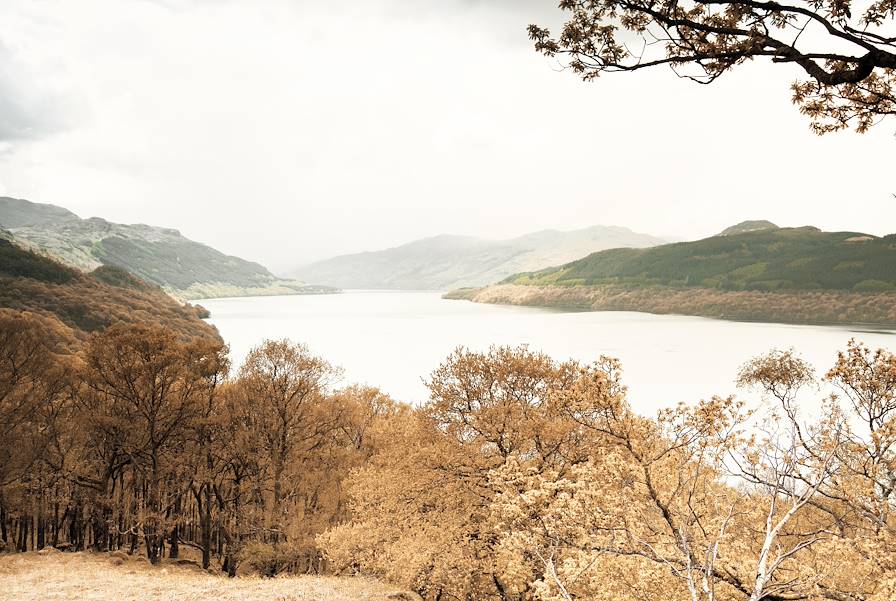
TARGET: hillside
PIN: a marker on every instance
(781, 259)
(749, 226)
(162, 256)
(445, 262)
(785, 274)
(86, 302)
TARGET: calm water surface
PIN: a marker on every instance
(393, 340)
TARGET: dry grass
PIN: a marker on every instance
(94, 577)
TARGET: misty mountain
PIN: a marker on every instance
(158, 255)
(444, 262)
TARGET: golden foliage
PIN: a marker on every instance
(521, 478)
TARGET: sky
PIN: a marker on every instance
(287, 131)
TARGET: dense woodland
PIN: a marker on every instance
(82, 303)
(520, 478)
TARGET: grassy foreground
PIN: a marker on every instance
(53, 575)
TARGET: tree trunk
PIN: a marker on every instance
(3, 532)
(23, 534)
(173, 548)
(206, 522)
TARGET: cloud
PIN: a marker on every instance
(31, 105)
(289, 130)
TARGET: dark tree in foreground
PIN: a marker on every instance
(847, 61)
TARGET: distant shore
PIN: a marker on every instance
(798, 307)
(223, 290)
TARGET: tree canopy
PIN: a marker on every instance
(846, 52)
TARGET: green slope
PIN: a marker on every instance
(786, 259)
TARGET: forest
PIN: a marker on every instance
(80, 303)
(521, 477)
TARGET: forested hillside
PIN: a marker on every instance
(82, 303)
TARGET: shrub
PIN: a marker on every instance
(269, 560)
(873, 286)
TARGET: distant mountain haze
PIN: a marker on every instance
(445, 262)
(159, 255)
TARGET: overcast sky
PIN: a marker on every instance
(289, 131)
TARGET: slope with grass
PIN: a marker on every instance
(158, 255)
(445, 262)
(87, 302)
(51, 574)
(769, 274)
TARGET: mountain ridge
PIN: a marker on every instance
(160, 255)
(446, 261)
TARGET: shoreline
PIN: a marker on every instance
(828, 308)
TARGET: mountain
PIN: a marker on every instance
(87, 302)
(162, 256)
(444, 262)
(15, 212)
(784, 274)
(749, 226)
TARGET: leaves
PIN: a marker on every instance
(849, 61)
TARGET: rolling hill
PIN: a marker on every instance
(87, 302)
(162, 256)
(446, 261)
(779, 274)
(802, 258)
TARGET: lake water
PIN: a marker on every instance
(393, 340)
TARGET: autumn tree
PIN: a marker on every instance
(284, 390)
(426, 496)
(144, 389)
(33, 376)
(646, 514)
(35, 379)
(845, 52)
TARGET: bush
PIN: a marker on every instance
(269, 560)
(261, 558)
(873, 286)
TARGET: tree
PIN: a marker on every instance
(421, 506)
(34, 376)
(146, 389)
(285, 407)
(35, 381)
(848, 62)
